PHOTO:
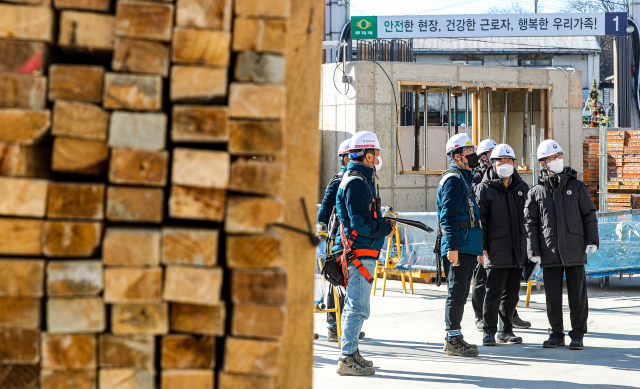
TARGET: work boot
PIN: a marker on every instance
(479, 325)
(347, 365)
(553, 342)
(576, 344)
(444, 347)
(361, 360)
(332, 336)
(508, 337)
(458, 347)
(516, 322)
(488, 339)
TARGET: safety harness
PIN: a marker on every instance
(471, 223)
(347, 254)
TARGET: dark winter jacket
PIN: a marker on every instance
(560, 220)
(354, 208)
(479, 173)
(453, 208)
(329, 200)
(502, 215)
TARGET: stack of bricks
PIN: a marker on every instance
(139, 190)
(590, 166)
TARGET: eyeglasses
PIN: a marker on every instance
(553, 157)
(468, 150)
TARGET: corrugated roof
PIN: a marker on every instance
(565, 44)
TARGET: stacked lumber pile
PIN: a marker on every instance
(138, 191)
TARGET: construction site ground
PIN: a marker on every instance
(404, 338)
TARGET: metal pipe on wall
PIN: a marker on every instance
(489, 114)
(456, 113)
(449, 112)
(416, 130)
(466, 118)
(534, 160)
(532, 128)
(524, 127)
(603, 192)
(426, 125)
(504, 129)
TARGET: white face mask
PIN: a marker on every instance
(379, 165)
(556, 166)
(505, 170)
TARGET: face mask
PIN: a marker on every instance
(473, 161)
(505, 170)
(379, 165)
(556, 166)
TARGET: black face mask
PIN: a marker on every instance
(473, 161)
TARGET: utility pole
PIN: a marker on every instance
(535, 2)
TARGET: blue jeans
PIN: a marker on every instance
(356, 306)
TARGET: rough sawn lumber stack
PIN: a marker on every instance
(141, 180)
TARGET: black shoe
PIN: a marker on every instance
(489, 339)
(576, 344)
(479, 325)
(553, 342)
(508, 337)
(516, 322)
(361, 335)
(361, 360)
(347, 365)
(458, 347)
(332, 335)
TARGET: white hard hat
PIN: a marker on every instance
(548, 147)
(503, 151)
(458, 141)
(486, 145)
(364, 140)
(344, 147)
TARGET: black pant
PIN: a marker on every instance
(503, 286)
(578, 302)
(479, 291)
(331, 304)
(458, 283)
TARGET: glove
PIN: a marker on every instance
(535, 259)
(591, 247)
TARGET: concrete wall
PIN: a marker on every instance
(369, 105)
(588, 64)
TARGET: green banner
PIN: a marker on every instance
(364, 27)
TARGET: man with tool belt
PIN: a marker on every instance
(501, 196)
(361, 236)
(327, 207)
(461, 237)
(562, 228)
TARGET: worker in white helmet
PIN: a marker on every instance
(561, 228)
(326, 210)
(459, 237)
(480, 275)
(501, 197)
(361, 236)
(484, 150)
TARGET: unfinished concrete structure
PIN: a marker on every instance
(368, 103)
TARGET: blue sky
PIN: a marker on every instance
(417, 7)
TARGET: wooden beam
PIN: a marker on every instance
(17, 22)
(151, 167)
(140, 56)
(23, 278)
(78, 379)
(31, 58)
(135, 205)
(137, 351)
(74, 278)
(190, 246)
(69, 351)
(75, 201)
(134, 92)
(80, 120)
(76, 82)
(304, 55)
(144, 20)
(87, 31)
(131, 247)
(23, 197)
(76, 315)
(140, 319)
(80, 156)
(20, 236)
(22, 91)
(70, 239)
(198, 319)
(188, 352)
(24, 126)
(196, 123)
(214, 14)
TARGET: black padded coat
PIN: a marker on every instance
(502, 215)
(560, 220)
